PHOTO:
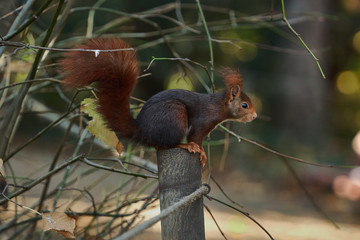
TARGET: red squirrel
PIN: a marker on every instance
(167, 117)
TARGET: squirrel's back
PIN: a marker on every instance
(115, 74)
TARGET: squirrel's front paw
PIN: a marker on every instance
(195, 148)
(191, 147)
(202, 157)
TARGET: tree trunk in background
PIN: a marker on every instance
(303, 91)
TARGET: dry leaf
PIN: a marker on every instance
(59, 222)
(97, 127)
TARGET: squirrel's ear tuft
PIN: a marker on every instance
(231, 77)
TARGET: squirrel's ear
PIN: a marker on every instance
(234, 92)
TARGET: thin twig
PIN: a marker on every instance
(88, 193)
(181, 24)
(8, 125)
(8, 225)
(130, 202)
(18, 20)
(225, 150)
(90, 163)
(217, 225)
(227, 41)
(18, 204)
(13, 223)
(40, 133)
(223, 192)
(240, 211)
(308, 194)
(126, 162)
(33, 18)
(177, 59)
(26, 45)
(144, 206)
(301, 40)
(159, 32)
(29, 186)
(99, 214)
(281, 154)
(31, 81)
(210, 44)
(12, 12)
(67, 170)
(53, 165)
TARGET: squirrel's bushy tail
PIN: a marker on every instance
(115, 74)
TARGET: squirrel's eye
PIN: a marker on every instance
(244, 105)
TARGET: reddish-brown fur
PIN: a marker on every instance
(231, 77)
(115, 87)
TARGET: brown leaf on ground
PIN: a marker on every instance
(59, 222)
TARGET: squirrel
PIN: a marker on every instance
(167, 117)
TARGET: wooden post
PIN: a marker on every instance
(179, 176)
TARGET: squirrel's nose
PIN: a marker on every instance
(254, 116)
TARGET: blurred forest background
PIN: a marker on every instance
(300, 113)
